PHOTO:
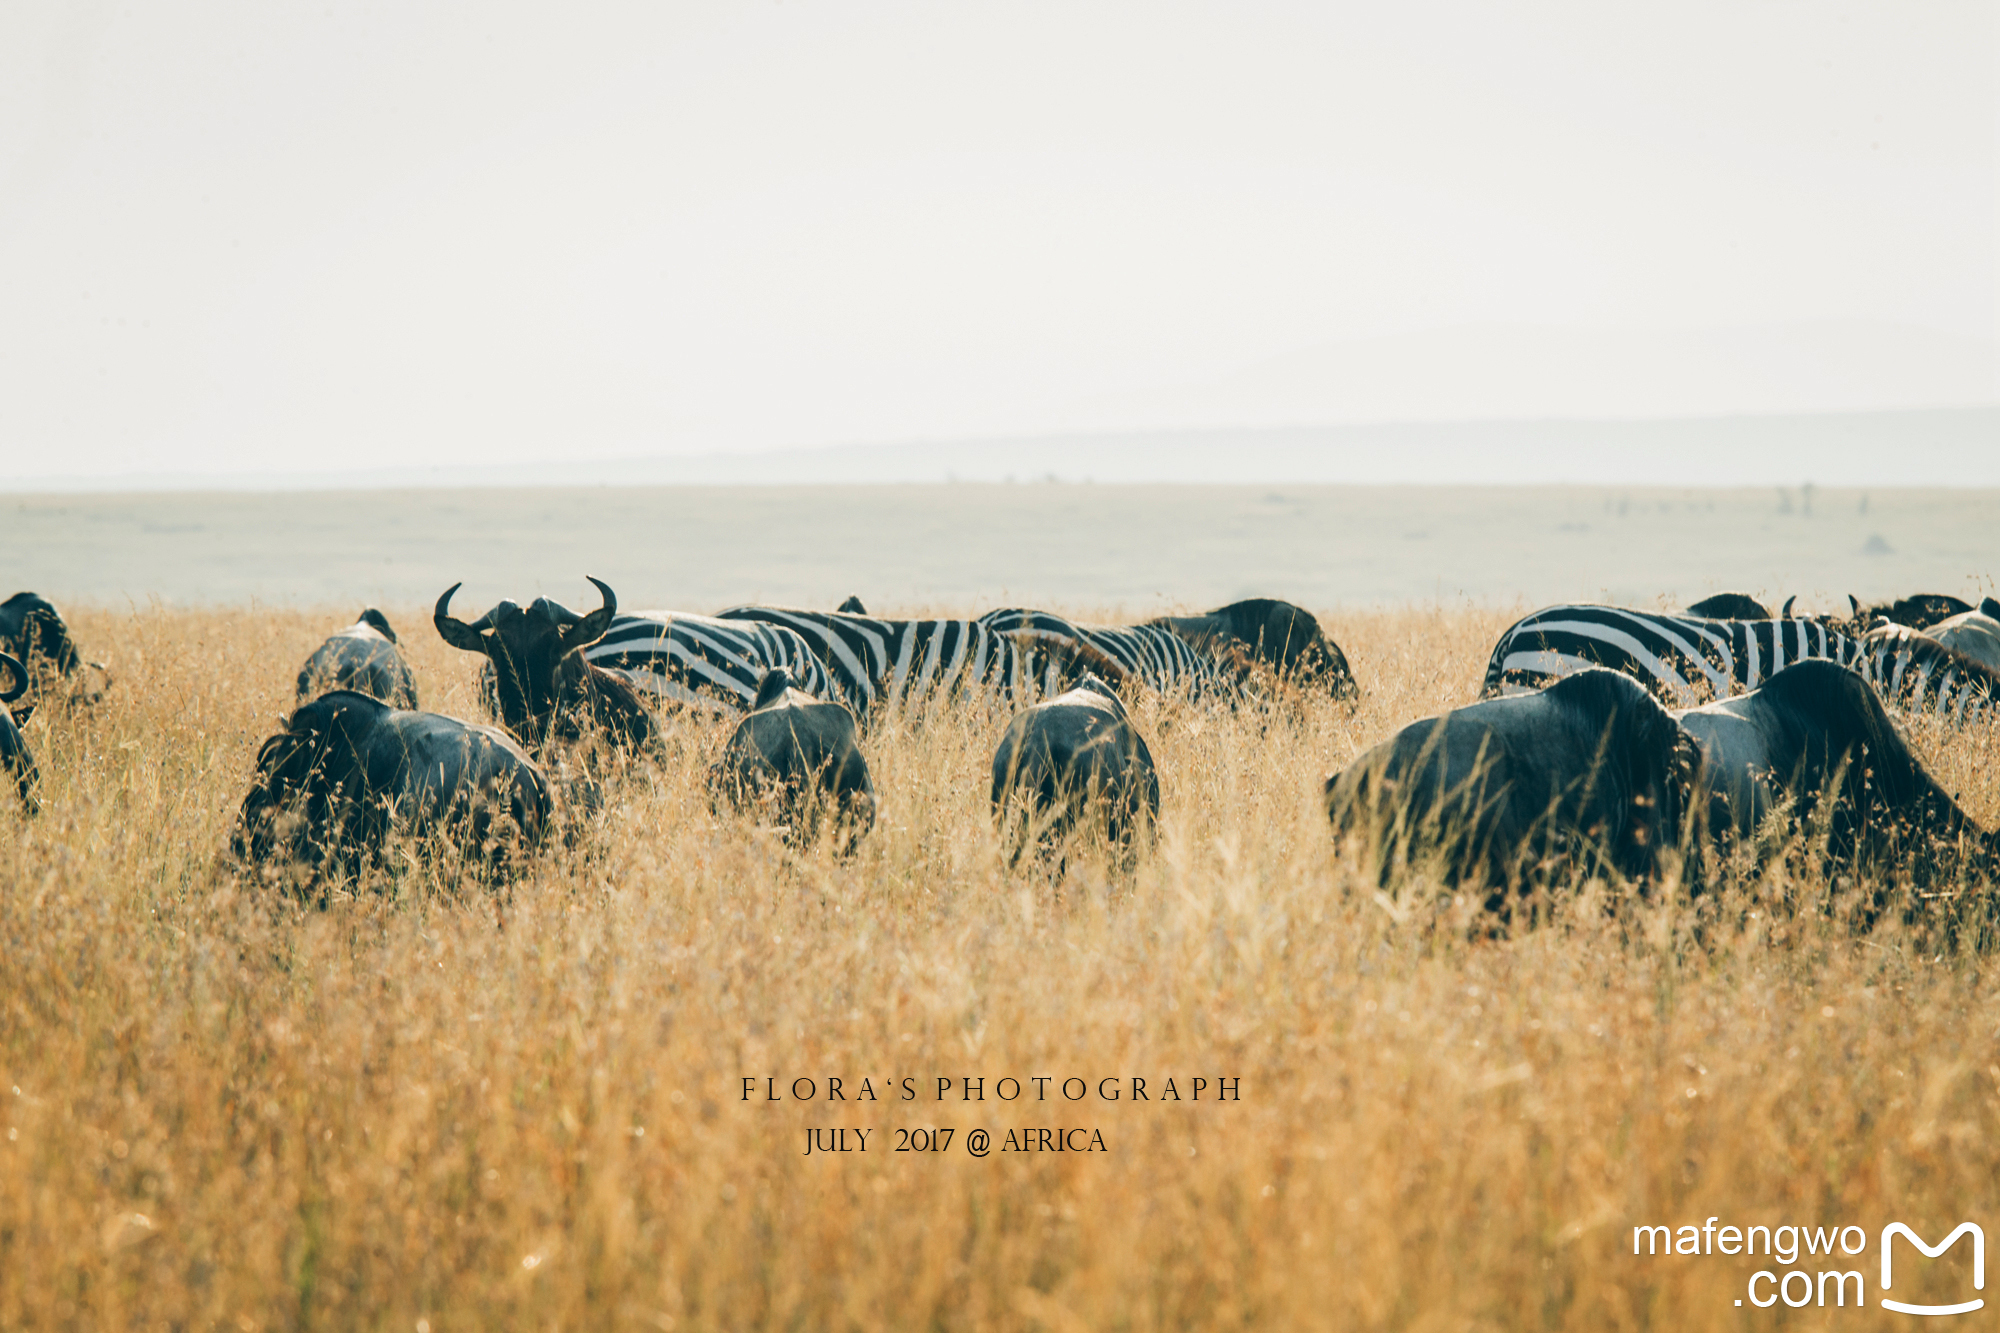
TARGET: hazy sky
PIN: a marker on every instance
(273, 236)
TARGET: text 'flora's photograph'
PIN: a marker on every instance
(1048, 667)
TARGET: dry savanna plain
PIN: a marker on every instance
(583, 1100)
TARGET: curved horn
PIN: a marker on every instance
(1851, 601)
(589, 629)
(1786, 614)
(20, 673)
(455, 631)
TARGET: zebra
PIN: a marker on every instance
(877, 665)
(1153, 653)
(705, 662)
(1234, 652)
(1688, 660)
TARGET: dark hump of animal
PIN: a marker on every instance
(1289, 639)
(1829, 716)
(852, 606)
(1730, 606)
(1918, 611)
(30, 628)
(799, 752)
(14, 753)
(1071, 751)
(351, 661)
(1826, 726)
(1496, 785)
(348, 765)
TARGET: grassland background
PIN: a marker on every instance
(1140, 548)
(443, 1108)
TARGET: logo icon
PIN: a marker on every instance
(1895, 1229)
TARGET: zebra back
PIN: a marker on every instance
(1152, 654)
(704, 661)
(876, 664)
(1918, 674)
(1688, 660)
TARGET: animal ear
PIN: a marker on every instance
(1990, 607)
(455, 631)
(589, 629)
(853, 607)
(772, 687)
(1786, 614)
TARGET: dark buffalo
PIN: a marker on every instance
(1284, 638)
(1817, 735)
(1974, 634)
(363, 657)
(1583, 765)
(1593, 765)
(1731, 606)
(795, 756)
(542, 685)
(14, 753)
(1073, 759)
(33, 631)
(1918, 611)
(347, 769)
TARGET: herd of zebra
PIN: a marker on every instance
(1603, 732)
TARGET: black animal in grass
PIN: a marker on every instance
(794, 758)
(1918, 611)
(14, 753)
(1284, 638)
(363, 657)
(1818, 736)
(1073, 762)
(33, 631)
(1973, 633)
(1593, 766)
(347, 769)
(1732, 606)
(541, 684)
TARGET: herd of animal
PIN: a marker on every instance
(1604, 736)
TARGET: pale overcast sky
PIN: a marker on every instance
(273, 236)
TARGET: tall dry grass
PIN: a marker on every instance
(451, 1109)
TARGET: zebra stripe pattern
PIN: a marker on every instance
(1686, 660)
(880, 664)
(703, 661)
(1153, 653)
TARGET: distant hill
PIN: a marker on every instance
(1939, 447)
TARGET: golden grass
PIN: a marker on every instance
(453, 1110)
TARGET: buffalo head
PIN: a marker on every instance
(536, 655)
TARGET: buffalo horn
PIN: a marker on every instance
(455, 631)
(589, 629)
(20, 674)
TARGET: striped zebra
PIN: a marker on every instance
(1688, 660)
(1153, 653)
(705, 662)
(875, 664)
